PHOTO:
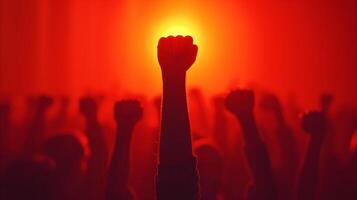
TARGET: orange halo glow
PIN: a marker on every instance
(141, 30)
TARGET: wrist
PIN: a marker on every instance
(246, 118)
(316, 140)
(173, 76)
(124, 131)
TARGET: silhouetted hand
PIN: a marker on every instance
(128, 112)
(176, 54)
(240, 103)
(314, 123)
(88, 107)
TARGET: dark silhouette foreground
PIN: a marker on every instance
(119, 152)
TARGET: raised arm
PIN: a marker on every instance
(241, 104)
(97, 162)
(126, 114)
(314, 123)
(177, 176)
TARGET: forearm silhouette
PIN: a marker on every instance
(126, 114)
(177, 174)
(99, 153)
(241, 104)
(314, 123)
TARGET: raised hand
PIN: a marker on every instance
(128, 112)
(177, 175)
(176, 54)
(99, 152)
(314, 123)
(241, 103)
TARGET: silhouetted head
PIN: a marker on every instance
(210, 167)
(66, 150)
(31, 179)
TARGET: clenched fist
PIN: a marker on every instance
(240, 102)
(314, 123)
(176, 54)
(128, 112)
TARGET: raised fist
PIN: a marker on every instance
(88, 107)
(128, 112)
(240, 102)
(176, 54)
(314, 123)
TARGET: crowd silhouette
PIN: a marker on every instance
(231, 153)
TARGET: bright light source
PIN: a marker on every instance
(177, 30)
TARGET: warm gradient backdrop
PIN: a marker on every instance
(76, 46)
